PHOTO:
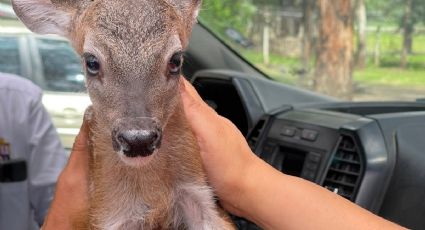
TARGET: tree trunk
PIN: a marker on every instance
(361, 55)
(334, 62)
(377, 51)
(408, 27)
(266, 36)
(308, 8)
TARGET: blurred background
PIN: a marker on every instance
(351, 49)
(52, 64)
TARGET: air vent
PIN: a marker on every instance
(345, 172)
(255, 133)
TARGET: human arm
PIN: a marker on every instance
(249, 187)
(71, 196)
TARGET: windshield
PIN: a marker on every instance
(354, 50)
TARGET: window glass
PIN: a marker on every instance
(352, 50)
(9, 55)
(61, 66)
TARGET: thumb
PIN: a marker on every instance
(202, 118)
(193, 104)
(80, 150)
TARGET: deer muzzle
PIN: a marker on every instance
(136, 137)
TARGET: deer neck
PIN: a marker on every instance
(116, 185)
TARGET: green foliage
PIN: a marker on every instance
(415, 62)
(385, 12)
(281, 68)
(219, 14)
(269, 2)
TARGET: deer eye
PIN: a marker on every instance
(175, 64)
(92, 64)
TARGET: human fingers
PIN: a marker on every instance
(80, 150)
(188, 88)
(223, 148)
(202, 118)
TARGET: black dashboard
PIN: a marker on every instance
(372, 154)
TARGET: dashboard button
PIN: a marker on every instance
(288, 131)
(311, 166)
(309, 135)
(314, 157)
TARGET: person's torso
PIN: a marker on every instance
(15, 210)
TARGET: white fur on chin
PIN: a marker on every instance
(136, 161)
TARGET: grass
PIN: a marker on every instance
(285, 70)
(392, 42)
(388, 73)
(415, 61)
(390, 77)
(280, 68)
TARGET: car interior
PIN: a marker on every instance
(371, 153)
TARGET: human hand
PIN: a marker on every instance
(247, 186)
(71, 196)
(225, 153)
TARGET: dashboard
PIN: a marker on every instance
(372, 154)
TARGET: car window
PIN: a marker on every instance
(9, 55)
(353, 50)
(61, 66)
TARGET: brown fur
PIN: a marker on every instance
(177, 161)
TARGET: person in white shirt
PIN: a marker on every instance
(27, 127)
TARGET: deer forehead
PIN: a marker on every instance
(127, 32)
(124, 20)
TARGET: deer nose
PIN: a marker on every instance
(137, 143)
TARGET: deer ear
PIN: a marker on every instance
(189, 8)
(196, 7)
(43, 16)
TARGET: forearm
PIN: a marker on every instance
(55, 220)
(70, 203)
(277, 201)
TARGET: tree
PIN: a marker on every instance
(308, 26)
(361, 16)
(334, 59)
(408, 24)
(407, 16)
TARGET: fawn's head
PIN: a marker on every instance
(132, 54)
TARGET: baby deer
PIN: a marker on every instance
(146, 170)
